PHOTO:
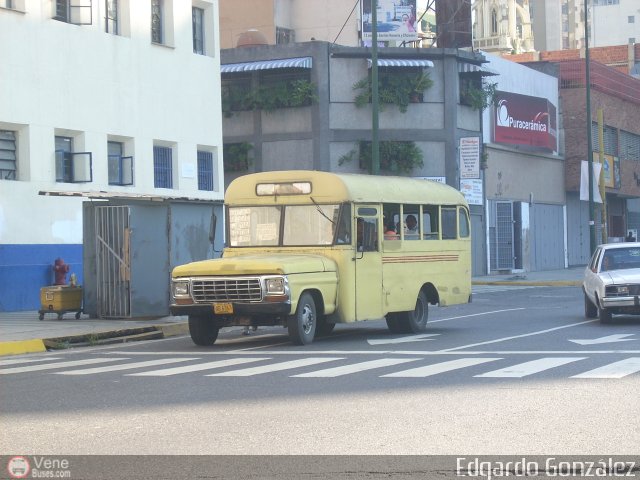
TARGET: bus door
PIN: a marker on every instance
(368, 263)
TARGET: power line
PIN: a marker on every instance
(345, 22)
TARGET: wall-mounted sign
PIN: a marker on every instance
(469, 157)
(472, 190)
(610, 169)
(524, 120)
(396, 20)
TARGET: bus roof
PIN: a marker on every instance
(328, 187)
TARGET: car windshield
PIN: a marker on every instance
(620, 259)
(291, 225)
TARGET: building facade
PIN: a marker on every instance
(120, 98)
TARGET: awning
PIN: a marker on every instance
(298, 62)
(401, 62)
(471, 68)
(101, 195)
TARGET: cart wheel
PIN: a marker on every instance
(60, 316)
(41, 316)
(78, 315)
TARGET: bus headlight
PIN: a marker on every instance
(180, 288)
(275, 286)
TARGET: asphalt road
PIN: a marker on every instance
(518, 371)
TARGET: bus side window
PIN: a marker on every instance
(343, 233)
(390, 221)
(463, 223)
(411, 215)
(449, 223)
(367, 234)
(430, 226)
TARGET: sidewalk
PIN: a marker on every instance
(22, 332)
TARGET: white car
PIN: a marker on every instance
(612, 281)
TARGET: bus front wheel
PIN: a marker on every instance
(302, 325)
(415, 321)
(202, 330)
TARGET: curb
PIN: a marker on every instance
(19, 347)
(548, 283)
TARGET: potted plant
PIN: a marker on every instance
(395, 156)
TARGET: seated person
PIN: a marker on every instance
(390, 232)
(411, 229)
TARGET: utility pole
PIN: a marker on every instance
(375, 150)
(592, 223)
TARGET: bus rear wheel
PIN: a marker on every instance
(302, 325)
(414, 321)
(202, 330)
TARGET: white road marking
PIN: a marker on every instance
(126, 366)
(408, 339)
(51, 366)
(529, 368)
(618, 337)
(276, 367)
(197, 367)
(476, 315)
(355, 368)
(614, 370)
(442, 367)
(481, 289)
(518, 336)
(17, 361)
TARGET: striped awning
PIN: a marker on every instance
(401, 62)
(471, 68)
(298, 62)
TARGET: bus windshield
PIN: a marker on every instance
(290, 225)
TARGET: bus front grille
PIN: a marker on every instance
(226, 290)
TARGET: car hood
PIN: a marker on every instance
(282, 264)
(622, 276)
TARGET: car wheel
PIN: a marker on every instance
(605, 315)
(202, 330)
(590, 310)
(302, 325)
(415, 321)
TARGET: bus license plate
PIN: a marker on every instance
(222, 308)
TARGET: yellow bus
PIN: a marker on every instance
(309, 249)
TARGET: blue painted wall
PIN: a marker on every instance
(26, 268)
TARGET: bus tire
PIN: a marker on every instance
(392, 323)
(302, 325)
(323, 327)
(202, 330)
(415, 321)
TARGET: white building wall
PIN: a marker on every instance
(72, 80)
(610, 24)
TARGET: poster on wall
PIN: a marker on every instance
(396, 20)
(525, 121)
(469, 157)
(610, 170)
(471, 188)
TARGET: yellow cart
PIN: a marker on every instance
(60, 299)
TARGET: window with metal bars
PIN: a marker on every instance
(162, 167)
(629, 146)
(205, 171)
(197, 20)
(157, 18)
(610, 139)
(8, 158)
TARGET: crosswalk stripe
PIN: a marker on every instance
(51, 366)
(126, 366)
(529, 368)
(614, 370)
(441, 367)
(197, 367)
(17, 361)
(276, 367)
(355, 368)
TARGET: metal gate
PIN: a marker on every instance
(113, 265)
(501, 236)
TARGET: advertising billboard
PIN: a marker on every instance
(525, 121)
(396, 20)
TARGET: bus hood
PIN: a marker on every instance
(256, 265)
